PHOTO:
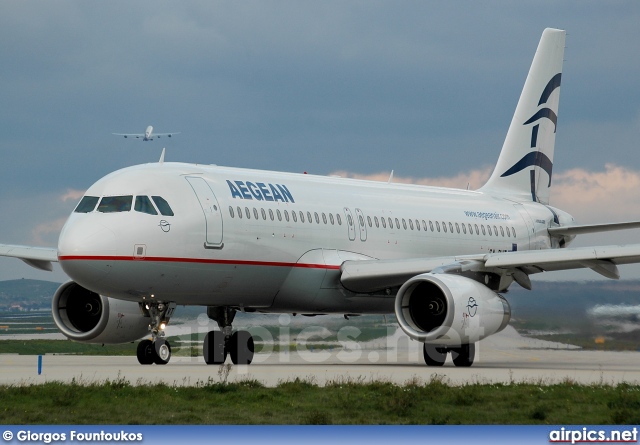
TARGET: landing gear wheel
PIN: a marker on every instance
(161, 351)
(434, 355)
(213, 348)
(241, 348)
(145, 352)
(464, 355)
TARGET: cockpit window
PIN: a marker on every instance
(112, 204)
(143, 204)
(163, 205)
(87, 204)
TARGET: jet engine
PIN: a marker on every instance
(84, 316)
(449, 310)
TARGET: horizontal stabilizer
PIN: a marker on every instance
(592, 228)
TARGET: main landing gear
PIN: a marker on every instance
(157, 350)
(220, 344)
(462, 355)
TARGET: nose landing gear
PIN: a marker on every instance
(156, 350)
(220, 344)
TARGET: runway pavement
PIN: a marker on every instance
(505, 357)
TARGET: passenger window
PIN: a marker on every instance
(411, 224)
(451, 228)
(317, 218)
(339, 219)
(264, 214)
(431, 226)
(143, 205)
(286, 215)
(444, 226)
(294, 216)
(495, 230)
(375, 219)
(231, 211)
(477, 230)
(369, 221)
(384, 224)
(397, 224)
(404, 224)
(309, 218)
(470, 230)
(457, 228)
(331, 218)
(239, 212)
(163, 205)
(271, 214)
(502, 231)
(255, 213)
(87, 204)
(350, 220)
(513, 230)
(390, 223)
(489, 229)
(324, 218)
(247, 212)
(438, 225)
(464, 229)
(361, 220)
(279, 215)
(483, 231)
(113, 204)
(301, 216)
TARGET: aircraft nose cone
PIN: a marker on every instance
(82, 244)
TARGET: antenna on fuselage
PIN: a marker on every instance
(390, 177)
(161, 161)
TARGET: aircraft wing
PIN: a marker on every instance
(592, 228)
(370, 276)
(38, 257)
(131, 135)
(159, 135)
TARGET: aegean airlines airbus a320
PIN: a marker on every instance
(147, 238)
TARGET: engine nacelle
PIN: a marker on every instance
(84, 316)
(449, 310)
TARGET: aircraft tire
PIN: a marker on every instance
(464, 355)
(145, 352)
(434, 355)
(213, 348)
(161, 351)
(241, 348)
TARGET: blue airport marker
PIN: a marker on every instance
(39, 364)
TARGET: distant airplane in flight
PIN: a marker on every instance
(147, 135)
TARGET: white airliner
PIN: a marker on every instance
(148, 134)
(146, 238)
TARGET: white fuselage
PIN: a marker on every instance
(233, 239)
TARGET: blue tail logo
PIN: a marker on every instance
(536, 158)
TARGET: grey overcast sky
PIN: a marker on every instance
(361, 87)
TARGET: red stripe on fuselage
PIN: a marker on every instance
(196, 260)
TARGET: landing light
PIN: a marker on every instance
(163, 326)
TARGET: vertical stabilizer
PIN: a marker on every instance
(526, 161)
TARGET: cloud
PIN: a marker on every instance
(72, 195)
(47, 233)
(474, 178)
(590, 196)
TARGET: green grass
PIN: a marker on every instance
(303, 402)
